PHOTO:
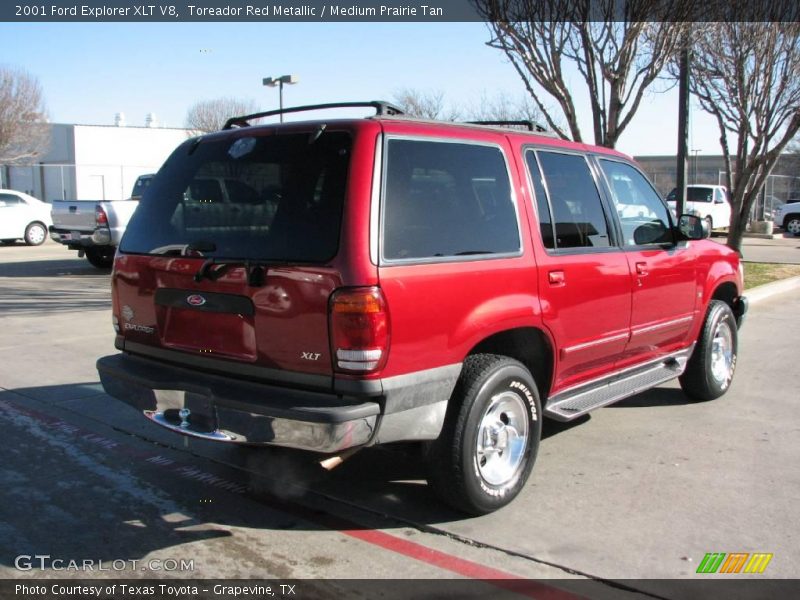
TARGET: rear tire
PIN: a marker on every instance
(35, 234)
(101, 257)
(710, 370)
(488, 444)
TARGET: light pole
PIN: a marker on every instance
(695, 152)
(279, 81)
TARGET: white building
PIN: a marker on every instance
(94, 162)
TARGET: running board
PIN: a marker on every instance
(573, 403)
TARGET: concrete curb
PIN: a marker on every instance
(762, 292)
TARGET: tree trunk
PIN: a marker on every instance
(736, 233)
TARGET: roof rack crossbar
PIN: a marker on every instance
(381, 108)
(531, 125)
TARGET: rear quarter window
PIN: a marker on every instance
(447, 199)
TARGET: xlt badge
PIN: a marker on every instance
(310, 355)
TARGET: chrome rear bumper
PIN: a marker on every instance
(222, 409)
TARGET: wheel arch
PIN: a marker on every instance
(727, 292)
(529, 345)
(789, 217)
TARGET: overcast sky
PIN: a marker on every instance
(89, 72)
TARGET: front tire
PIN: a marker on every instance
(101, 257)
(710, 370)
(793, 226)
(35, 234)
(491, 434)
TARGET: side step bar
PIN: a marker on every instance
(573, 403)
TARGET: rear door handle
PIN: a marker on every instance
(556, 278)
(641, 268)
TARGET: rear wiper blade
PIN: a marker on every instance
(256, 269)
(469, 252)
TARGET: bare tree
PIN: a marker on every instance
(747, 75)
(502, 107)
(206, 116)
(24, 132)
(618, 48)
(426, 105)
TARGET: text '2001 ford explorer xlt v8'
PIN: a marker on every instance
(388, 279)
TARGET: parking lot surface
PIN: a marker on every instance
(641, 490)
(784, 249)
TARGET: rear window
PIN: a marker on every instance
(445, 199)
(269, 197)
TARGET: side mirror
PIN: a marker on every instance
(651, 233)
(693, 227)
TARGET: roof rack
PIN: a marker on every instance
(531, 125)
(381, 108)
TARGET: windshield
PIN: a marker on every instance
(140, 186)
(271, 198)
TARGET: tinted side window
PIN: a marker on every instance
(542, 207)
(446, 199)
(641, 213)
(577, 208)
(10, 199)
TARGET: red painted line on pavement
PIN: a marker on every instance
(460, 566)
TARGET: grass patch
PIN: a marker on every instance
(761, 273)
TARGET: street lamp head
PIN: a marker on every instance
(275, 81)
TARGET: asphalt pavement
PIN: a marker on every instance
(783, 248)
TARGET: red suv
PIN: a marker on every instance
(337, 284)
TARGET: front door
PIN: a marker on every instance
(663, 272)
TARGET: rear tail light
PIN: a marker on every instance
(359, 322)
(100, 216)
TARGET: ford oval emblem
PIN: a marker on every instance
(195, 300)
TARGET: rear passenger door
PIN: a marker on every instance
(662, 271)
(584, 279)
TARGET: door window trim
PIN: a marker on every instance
(607, 190)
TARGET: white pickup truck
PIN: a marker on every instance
(709, 202)
(788, 216)
(95, 228)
